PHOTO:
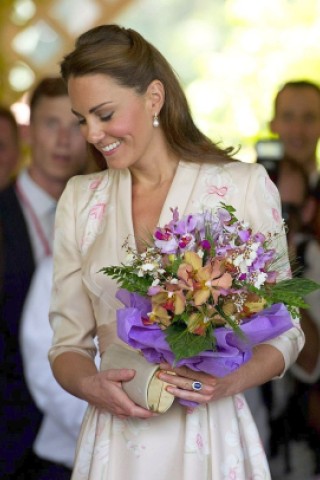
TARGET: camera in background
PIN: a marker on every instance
(269, 153)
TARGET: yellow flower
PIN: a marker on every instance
(171, 302)
(160, 315)
(197, 324)
(254, 304)
(203, 281)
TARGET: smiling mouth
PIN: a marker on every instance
(111, 146)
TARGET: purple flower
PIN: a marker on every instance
(244, 235)
(167, 246)
(154, 290)
(205, 244)
(186, 242)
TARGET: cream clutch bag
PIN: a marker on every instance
(145, 389)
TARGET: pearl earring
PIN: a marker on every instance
(155, 121)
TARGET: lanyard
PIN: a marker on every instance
(35, 220)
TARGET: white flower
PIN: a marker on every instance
(148, 267)
(259, 279)
(129, 260)
(255, 246)
(238, 260)
(242, 263)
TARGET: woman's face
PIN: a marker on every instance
(115, 119)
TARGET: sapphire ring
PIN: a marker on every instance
(196, 386)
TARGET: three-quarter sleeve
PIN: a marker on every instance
(263, 211)
(71, 314)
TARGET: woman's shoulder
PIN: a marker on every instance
(91, 181)
(229, 170)
(235, 166)
(92, 185)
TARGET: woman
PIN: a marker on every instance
(133, 112)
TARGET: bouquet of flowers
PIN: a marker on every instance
(205, 292)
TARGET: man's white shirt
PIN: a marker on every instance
(63, 413)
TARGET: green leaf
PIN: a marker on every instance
(234, 325)
(301, 286)
(172, 268)
(185, 344)
(290, 291)
(126, 278)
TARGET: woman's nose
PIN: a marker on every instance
(94, 134)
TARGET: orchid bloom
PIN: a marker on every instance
(253, 304)
(160, 315)
(199, 321)
(171, 300)
(204, 281)
(197, 324)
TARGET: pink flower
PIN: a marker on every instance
(94, 184)
(276, 215)
(219, 191)
(97, 211)
(203, 281)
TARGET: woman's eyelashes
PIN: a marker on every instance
(101, 117)
(106, 117)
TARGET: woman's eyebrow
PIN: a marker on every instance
(92, 110)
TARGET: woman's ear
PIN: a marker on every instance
(156, 96)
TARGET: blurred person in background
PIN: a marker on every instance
(293, 444)
(296, 121)
(27, 209)
(9, 147)
(54, 446)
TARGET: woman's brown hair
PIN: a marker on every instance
(124, 55)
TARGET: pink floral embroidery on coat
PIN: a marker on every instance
(232, 474)
(199, 441)
(97, 211)
(239, 402)
(276, 215)
(94, 184)
(219, 191)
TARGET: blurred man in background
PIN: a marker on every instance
(296, 121)
(27, 208)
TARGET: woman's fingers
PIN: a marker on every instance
(106, 393)
(191, 375)
(188, 389)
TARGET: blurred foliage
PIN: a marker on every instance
(232, 56)
(5, 8)
(35, 34)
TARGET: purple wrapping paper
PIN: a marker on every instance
(232, 350)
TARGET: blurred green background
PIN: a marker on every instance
(231, 55)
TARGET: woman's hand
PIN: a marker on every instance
(211, 388)
(266, 363)
(78, 375)
(104, 391)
